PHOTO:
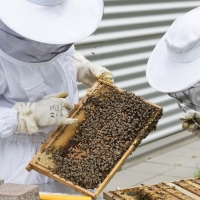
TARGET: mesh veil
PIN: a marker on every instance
(189, 97)
(27, 50)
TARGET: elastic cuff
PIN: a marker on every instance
(11, 118)
(8, 122)
(25, 118)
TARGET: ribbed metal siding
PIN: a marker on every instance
(123, 43)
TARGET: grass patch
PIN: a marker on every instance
(197, 172)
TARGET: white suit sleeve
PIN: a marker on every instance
(8, 121)
(8, 116)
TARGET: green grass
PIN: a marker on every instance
(197, 172)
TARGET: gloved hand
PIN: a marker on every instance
(88, 73)
(51, 110)
(189, 124)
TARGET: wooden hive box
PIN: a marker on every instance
(188, 189)
(111, 124)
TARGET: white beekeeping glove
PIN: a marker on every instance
(51, 110)
(88, 73)
(189, 124)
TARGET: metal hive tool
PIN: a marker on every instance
(178, 190)
(85, 156)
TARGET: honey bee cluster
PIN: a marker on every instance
(162, 191)
(113, 121)
(177, 190)
(122, 195)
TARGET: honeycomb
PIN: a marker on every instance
(178, 190)
(110, 121)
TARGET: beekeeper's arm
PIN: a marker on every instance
(88, 73)
(26, 117)
(51, 110)
(8, 116)
(191, 119)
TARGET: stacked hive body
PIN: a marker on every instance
(85, 156)
(177, 190)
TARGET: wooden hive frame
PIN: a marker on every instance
(64, 129)
(180, 188)
(121, 194)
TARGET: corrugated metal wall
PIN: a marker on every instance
(129, 31)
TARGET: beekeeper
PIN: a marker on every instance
(38, 72)
(174, 67)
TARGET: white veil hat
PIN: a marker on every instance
(174, 64)
(52, 21)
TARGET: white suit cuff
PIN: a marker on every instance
(8, 121)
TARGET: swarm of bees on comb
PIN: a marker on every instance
(113, 120)
(177, 190)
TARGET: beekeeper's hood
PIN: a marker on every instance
(174, 65)
(53, 24)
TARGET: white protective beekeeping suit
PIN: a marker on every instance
(174, 67)
(26, 83)
(37, 64)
